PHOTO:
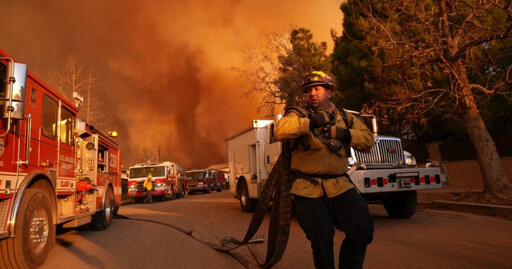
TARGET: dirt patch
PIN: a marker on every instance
(466, 197)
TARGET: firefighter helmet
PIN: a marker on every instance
(318, 78)
(150, 176)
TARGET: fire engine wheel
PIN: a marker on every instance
(247, 204)
(219, 187)
(102, 219)
(35, 233)
(401, 205)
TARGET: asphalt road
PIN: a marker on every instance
(430, 239)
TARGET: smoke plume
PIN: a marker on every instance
(164, 67)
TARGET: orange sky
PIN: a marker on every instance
(163, 67)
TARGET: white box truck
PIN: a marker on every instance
(386, 174)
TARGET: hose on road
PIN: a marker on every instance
(277, 188)
(239, 257)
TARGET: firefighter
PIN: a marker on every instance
(323, 194)
(148, 185)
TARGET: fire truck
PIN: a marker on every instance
(386, 174)
(205, 180)
(168, 177)
(54, 169)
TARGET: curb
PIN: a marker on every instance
(478, 209)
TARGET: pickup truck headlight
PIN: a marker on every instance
(409, 159)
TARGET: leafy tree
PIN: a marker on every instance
(276, 70)
(433, 59)
(305, 57)
(352, 60)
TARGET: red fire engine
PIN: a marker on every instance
(54, 170)
(168, 178)
(205, 180)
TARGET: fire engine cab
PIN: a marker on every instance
(54, 169)
(205, 180)
(168, 179)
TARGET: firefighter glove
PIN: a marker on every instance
(338, 133)
(318, 119)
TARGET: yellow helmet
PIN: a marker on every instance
(150, 176)
(318, 78)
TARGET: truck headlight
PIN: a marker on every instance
(133, 186)
(409, 159)
(158, 184)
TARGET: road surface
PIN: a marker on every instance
(430, 239)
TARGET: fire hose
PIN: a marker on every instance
(279, 184)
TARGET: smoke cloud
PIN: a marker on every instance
(164, 67)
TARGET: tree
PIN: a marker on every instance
(305, 56)
(154, 152)
(277, 68)
(352, 60)
(71, 79)
(442, 58)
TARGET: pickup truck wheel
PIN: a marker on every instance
(102, 219)
(35, 233)
(401, 205)
(247, 204)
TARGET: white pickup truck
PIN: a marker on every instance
(386, 174)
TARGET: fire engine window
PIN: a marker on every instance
(102, 159)
(155, 171)
(196, 175)
(66, 126)
(50, 117)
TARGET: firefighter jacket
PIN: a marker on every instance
(148, 184)
(319, 159)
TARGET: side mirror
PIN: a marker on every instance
(373, 119)
(14, 91)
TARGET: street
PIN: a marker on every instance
(430, 239)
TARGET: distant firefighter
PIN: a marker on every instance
(148, 185)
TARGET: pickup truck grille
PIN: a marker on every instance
(386, 152)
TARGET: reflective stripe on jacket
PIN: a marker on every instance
(319, 160)
(148, 184)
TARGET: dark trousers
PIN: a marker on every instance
(347, 212)
(149, 197)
